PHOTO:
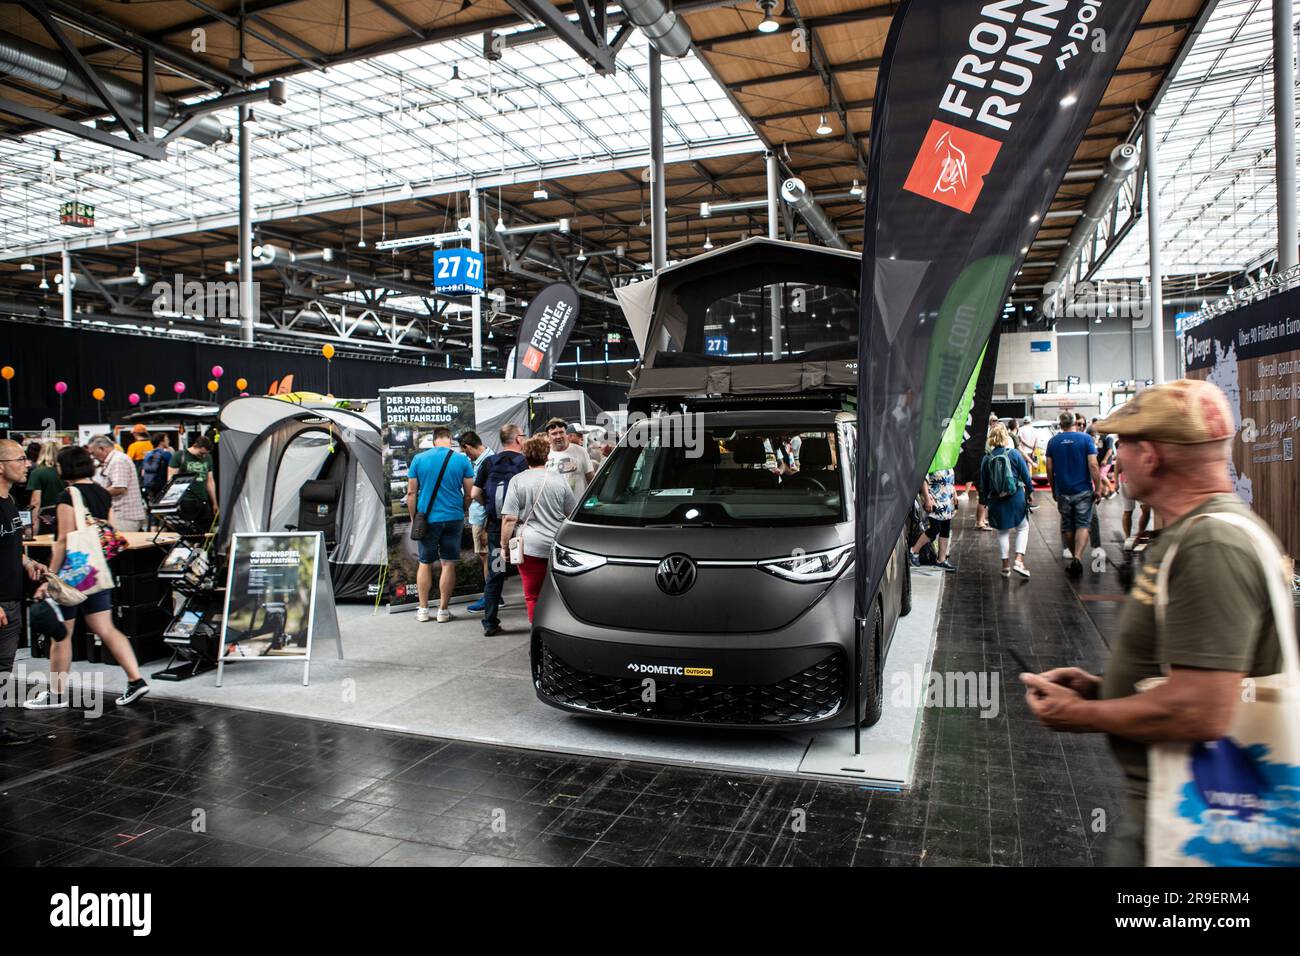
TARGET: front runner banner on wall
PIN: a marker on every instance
(979, 109)
(545, 330)
(407, 419)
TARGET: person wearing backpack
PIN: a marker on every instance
(153, 469)
(490, 491)
(1007, 489)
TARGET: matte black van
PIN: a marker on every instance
(706, 575)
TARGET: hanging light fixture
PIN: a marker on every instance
(361, 243)
(501, 224)
(855, 189)
(44, 284)
(708, 243)
(767, 24)
(582, 256)
(824, 128)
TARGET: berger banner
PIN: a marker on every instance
(979, 109)
(545, 331)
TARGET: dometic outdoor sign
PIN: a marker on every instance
(978, 109)
(545, 330)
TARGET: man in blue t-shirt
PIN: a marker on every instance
(446, 514)
(1076, 486)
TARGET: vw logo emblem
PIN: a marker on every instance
(675, 574)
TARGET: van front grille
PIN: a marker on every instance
(812, 694)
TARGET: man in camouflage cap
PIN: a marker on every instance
(1217, 627)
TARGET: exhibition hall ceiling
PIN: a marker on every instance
(392, 107)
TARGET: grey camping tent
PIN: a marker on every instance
(306, 467)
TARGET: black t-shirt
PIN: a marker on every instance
(13, 579)
(96, 497)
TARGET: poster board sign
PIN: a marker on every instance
(407, 420)
(1253, 354)
(86, 432)
(278, 598)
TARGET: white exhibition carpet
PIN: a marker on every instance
(448, 680)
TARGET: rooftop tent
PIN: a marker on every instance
(760, 316)
(523, 402)
(286, 467)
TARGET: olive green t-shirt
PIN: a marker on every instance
(1218, 617)
(45, 480)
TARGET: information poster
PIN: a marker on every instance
(408, 419)
(1253, 354)
(277, 596)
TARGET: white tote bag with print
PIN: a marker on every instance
(1234, 801)
(84, 567)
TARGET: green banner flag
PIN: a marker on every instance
(955, 433)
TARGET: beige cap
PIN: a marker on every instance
(1185, 412)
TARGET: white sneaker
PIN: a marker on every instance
(444, 615)
(1067, 554)
(1128, 543)
(422, 615)
(1020, 569)
(46, 700)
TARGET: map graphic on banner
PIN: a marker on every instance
(978, 110)
(407, 419)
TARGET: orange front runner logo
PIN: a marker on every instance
(533, 358)
(951, 166)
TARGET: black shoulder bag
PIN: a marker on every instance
(420, 520)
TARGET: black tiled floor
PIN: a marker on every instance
(170, 784)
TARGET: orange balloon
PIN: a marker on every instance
(7, 372)
(149, 389)
(98, 394)
(213, 386)
(327, 350)
(241, 383)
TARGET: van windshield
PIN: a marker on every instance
(663, 474)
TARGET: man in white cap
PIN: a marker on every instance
(1217, 626)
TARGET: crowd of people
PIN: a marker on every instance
(516, 499)
(1082, 469)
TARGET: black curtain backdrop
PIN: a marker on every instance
(122, 364)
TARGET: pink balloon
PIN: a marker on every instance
(133, 398)
(243, 395)
(179, 388)
(218, 371)
(60, 387)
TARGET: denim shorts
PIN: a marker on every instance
(1076, 510)
(442, 541)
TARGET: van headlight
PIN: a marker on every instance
(568, 561)
(808, 568)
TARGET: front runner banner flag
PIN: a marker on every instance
(979, 109)
(545, 330)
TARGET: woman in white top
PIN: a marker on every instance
(537, 502)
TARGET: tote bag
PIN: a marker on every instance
(84, 567)
(1234, 801)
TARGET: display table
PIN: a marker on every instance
(141, 602)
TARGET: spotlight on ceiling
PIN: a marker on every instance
(767, 24)
(855, 189)
(824, 128)
(708, 243)
(540, 193)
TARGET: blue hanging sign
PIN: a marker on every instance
(457, 271)
(715, 345)
(1040, 345)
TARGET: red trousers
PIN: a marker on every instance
(533, 573)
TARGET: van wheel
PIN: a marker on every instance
(873, 669)
(905, 601)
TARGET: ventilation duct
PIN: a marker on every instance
(37, 66)
(796, 194)
(1123, 160)
(667, 31)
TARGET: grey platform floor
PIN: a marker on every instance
(448, 680)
